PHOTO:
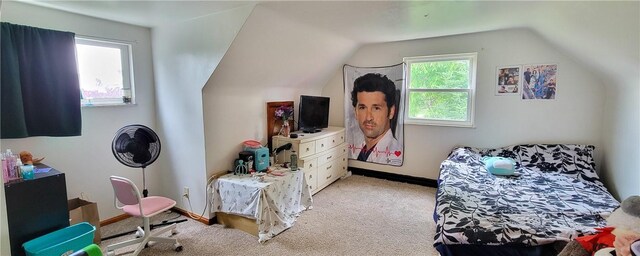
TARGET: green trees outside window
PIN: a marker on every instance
(441, 89)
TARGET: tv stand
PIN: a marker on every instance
(311, 130)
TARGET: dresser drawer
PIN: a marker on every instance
(343, 164)
(326, 173)
(312, 179)
(307, 149)
(329, 142)
(336, 140)
(322, 145)
(308, 164)
(332, 155)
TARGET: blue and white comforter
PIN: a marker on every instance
(556, 197)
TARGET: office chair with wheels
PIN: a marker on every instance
(127, 198)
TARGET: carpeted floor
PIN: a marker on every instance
(354, 216)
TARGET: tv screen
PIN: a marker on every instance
(314, 113)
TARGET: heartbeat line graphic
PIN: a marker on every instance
(377, 152)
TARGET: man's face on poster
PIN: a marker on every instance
(372, 114)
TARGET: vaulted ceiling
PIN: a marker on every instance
(604, 35)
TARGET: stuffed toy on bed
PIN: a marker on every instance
(626, 223)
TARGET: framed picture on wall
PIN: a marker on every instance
(274, 124)
(539, 81)
(508, 80)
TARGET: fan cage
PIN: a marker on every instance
(127, 158)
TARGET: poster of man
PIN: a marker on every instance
(508, 80)
(540, 83)
(374, 113)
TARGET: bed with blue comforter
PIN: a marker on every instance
(554, 196)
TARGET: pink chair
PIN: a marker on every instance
(127, 198)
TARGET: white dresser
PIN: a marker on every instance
(322, 155)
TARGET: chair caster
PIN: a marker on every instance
(111, 253)
(139, 234)
(177, 247)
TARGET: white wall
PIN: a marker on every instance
(87, 160)
(185, 55)
(621, 168)
(268, 61)
(574, 117)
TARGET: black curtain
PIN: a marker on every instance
(40, 93)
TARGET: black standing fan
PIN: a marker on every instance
(136, 146)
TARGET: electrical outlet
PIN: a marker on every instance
(185, 192)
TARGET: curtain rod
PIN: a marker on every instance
(107, 39)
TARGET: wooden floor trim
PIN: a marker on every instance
(114, 219)
(186, 214)
(175, 209)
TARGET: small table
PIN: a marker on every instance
(273, 204)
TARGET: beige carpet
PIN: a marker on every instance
(354, 216)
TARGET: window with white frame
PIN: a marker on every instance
(440, 90)
(105, 72)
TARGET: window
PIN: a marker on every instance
(105, 72)
(441, 90)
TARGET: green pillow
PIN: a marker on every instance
(499, 165)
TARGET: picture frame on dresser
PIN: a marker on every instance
(274, 124)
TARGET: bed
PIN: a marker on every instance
(554, 197)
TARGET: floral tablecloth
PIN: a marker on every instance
(274, 203)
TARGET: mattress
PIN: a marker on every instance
(555, 195)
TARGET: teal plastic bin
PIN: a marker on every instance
(61, 242)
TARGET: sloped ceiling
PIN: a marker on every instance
(604, 35)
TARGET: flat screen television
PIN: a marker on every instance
(314, 113)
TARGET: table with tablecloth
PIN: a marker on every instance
(274, 202)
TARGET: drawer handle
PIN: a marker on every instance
(329, 157)
(322, 145)
(329, 177)
(329, 167)
(310, 165)
(307, 149)
(333, 141)
(310, 176)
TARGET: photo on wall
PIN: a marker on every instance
(374, 112)
(539, 82)
(508, 80)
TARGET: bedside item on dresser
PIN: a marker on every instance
(260, 155)
(260, 158)
(259, 176)
(245, 156)
(279, 149)
(239, 167)
(294, 161)
(314, 113)
(251, 144)
(277, 173)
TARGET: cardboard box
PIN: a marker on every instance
(81, 210)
